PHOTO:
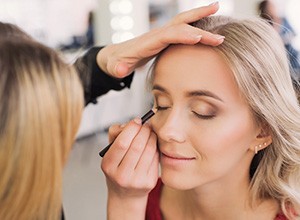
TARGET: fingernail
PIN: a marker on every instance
(219, 37)
(137, 121)
(214, 3)
(197, 37)
(122, 125)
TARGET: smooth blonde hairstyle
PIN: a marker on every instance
(256, 55)
(41, 104)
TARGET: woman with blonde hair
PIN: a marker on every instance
(42, 100)
(41, 104)
(227, 128)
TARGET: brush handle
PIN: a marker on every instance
(103, 152)
(145, 118)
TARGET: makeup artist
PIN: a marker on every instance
(41, 105)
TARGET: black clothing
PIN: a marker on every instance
(96, 82)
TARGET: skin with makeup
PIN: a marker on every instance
(227, 132)
(204, 146)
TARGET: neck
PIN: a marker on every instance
(220, 200)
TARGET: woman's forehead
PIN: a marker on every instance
(195, 64)
(184, 68)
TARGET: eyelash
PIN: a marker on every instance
(204, 117)
(161, 108)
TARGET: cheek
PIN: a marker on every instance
(222, 147)
(233, 133)
(156, 123)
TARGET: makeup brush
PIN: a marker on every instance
(145, 118)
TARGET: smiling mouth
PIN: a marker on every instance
(178, 157)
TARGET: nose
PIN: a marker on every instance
(173, 127)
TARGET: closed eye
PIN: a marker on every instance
(161, 108)
(205, 117)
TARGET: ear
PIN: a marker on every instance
(262, 140)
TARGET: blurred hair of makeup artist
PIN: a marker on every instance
(226, 133)
(42, 99)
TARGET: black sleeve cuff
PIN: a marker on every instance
(95, 81)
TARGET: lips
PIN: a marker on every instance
(177, 156)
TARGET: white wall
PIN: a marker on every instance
(118, 107)
(49, 21)
(236, 8)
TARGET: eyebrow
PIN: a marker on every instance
(203, 93)
(190, 93)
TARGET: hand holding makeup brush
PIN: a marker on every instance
(131, 168)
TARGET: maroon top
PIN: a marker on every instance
(153, 206)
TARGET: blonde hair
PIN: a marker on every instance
(256, 55)
(41, 104)
(8, 31)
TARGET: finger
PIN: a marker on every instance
(150, 44)
(114, 131)
(154, 168)
(180, 34)
(195, 14)
(186, 34)
(211, 39)
(121, 70)
(118, 149)
(136, 149)
(149, 153)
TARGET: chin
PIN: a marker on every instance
(177, 181)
